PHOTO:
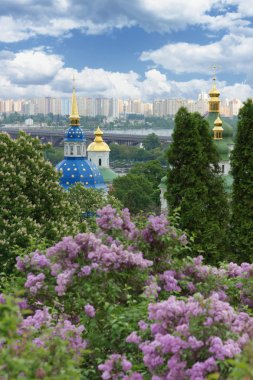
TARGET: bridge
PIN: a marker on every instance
(56, 136)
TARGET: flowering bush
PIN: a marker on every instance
(107, 279)
(33, 204)
(37, 346)
(188, 339)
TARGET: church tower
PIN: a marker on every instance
(76, 167)
(221, 130)
(99, 153)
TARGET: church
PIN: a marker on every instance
(92, 171)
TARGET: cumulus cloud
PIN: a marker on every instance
(232, 51)
(22, 19)
(39, 72)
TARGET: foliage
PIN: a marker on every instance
(33, 205)
(134, 191)
(151, 141)
(195, 186)
(54, 154)
(243, 365)
(90, 200)
(242, 171)
(37, 347)
(153, 172)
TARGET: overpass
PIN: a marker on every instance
(56, 136)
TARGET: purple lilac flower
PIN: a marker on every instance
(40, 318)
(115, 367)
(109, 219)
(38, 260)
(157, 226)
(133, 338)
(90, 310)
(35, 283)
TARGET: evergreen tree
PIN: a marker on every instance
(195, 186)
(34, 207)
(241, 233)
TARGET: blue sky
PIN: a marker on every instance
(145, 49)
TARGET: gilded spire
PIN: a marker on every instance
(214, 101)
(74, 116)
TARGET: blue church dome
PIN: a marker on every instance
(76, 167)
(80, 170)
(74, 133)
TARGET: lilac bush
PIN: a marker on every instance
(105, 281)
(38, 346)
(188, 339)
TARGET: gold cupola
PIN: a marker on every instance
(217, 130)
(98, 145)
(74, 116)
(214, 101)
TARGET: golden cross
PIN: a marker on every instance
(74, 81)
(214, 67)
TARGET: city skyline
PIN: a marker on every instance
(148, 49)
(114, 108)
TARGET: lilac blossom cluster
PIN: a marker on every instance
(118, 367)
(189, 338)
(63, 328)
(192, 274)
(41, 328)
(110, 220)
(73, 258)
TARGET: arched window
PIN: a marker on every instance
(99, 162)
(79, 150)
(71, 150)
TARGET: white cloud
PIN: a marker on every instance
(22, 19)
(232, 52)
(39, 72)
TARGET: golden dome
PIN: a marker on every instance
(98, 145)
(214, 93)
(218, 122)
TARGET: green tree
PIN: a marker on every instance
(242, 195)
(134, 191)
(34, 207)
(151, 141)
(90, 200)
(154, 172)
(195, 186)
(54, 154)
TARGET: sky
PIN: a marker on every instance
(147, 49)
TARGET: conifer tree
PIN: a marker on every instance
(195, 186)
(241, 228)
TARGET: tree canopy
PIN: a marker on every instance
(195, 186)
(33, 204)
(242, 195)
(134, 191)
(151, 141)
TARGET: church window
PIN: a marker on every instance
(79, 150)
(99, 162)
(222, 168)
(71, 150)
